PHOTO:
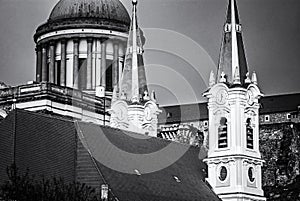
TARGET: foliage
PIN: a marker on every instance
(26, 188)
(280, 148)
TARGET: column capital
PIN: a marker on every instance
(75, 40)
(52, 42)
(103, 39)
(117, 41)
(63, 41)
(44, 49)
(90, 40)
(43, 45)
(38, 47)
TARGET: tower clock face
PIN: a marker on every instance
(121, 112)
(221, 97)
(250, 98)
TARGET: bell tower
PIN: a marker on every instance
(133, 107)
(234, 160)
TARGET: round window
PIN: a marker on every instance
(223, 173)
(251, 174)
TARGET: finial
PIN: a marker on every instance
(153, 96)
(146, 96)
(123, 95)
(134, 2)
(247, 80)
(223, 78)
(115, 94)
(254, 78)
(236, 77)
(212, 79)
(135, 99)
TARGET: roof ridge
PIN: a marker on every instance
(282, 94)
(134, 133)
(205, 102)
(41, 114)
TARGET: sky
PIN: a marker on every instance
(183, 39)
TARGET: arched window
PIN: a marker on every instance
(249, 134)
(222, 133)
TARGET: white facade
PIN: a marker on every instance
(135, 118)
(234, 161)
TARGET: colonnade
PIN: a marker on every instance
(81, 63)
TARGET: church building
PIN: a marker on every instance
(90, 116)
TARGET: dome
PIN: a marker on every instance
(112, 10)
(99, 14)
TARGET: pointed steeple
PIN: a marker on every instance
(133, 82)
(134, 109)
(232, 53)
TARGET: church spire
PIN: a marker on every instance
(232, 55)
(133, 109)
(133, 82)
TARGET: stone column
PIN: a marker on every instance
(38, 63)
(94, 50)
(89, 64)
(44, 64)
(115, 70)
(121, 65)
(52, 62)
(98, 63)
(103, 62)
(76, 63)
(63, 63)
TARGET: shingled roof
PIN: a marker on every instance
(280, 103)
(198, 111)
(183, 113)
(134, 166)
(43, 144)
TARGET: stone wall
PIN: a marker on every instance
(279, 117)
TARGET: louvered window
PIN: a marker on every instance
(222, 132)
(249, 133)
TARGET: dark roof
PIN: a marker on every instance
(280, 103)
(99, 14)
(112, 10)
(190, 112)
(183, 113)
(43, 144)
(118, 154)
(96, 155)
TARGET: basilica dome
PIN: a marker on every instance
(103, 14)
(110, 10)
